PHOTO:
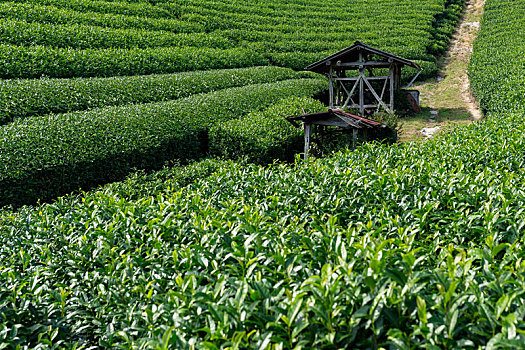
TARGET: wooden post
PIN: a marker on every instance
(354, 137)
(392, 87)
(361, 95)
(331, 88)
(307, 135)
(361, 86)
(337, 92)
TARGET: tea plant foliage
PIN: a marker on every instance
(416, 245)
(409, 246)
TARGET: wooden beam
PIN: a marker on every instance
(365, 106)
(361, 87)
(365, 64)
(357, 124)
(384, 89)
(343, 86)
(361, 96)
(379, 100)
(351, 93)
(331, 122)
(384, 77)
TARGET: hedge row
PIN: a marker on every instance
(261, 137)
(23, 98)
(50, 14)
(43, 157)
(37, 61)
(496, 66)
(80, 36)
(139, 9)
(173, 176)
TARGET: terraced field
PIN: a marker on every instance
(106, 38)
(92, 90)
(416, 245)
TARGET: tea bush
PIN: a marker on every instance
(264, 136)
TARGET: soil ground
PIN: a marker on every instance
(447, 101)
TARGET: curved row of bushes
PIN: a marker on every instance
(43, 157)
(24, 98)
(31, 12)
(80, 36)
(263, 136)
(139, 9)
(38, 61)
(74, 45)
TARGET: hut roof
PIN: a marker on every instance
(351, 54)
(341, 119)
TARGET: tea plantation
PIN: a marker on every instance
(93, 90)
(408, 246)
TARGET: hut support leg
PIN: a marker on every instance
(361, 87)
(307, 135)
(354, 137)
(331, 88)
(392, 88)
(361, 94)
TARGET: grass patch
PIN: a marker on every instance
(446, 119)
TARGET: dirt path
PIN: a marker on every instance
(462, 49)
(448, 99)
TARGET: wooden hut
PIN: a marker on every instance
(340, 121)
(362, 89)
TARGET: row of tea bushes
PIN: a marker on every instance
(43, 157)
(80, 36)
(135, 9)
(411, 246)
(38, 61)
(23, 98)
(173, 176)
(263, 136)
(423, 26)
(496, 67)
(31, 12)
